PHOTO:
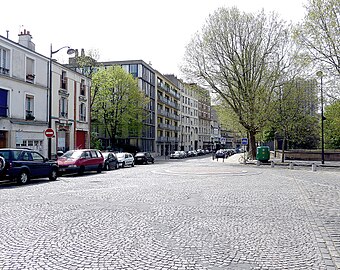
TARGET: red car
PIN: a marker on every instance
(79, 161)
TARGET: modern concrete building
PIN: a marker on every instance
(146, 77)
(168, 116)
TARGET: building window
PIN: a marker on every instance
(3, 103)
(63, 80)
(82, 87)
(134, 70)
(29, 106)
(30, 70)
(82, 112)
(4, 61)
(63, 107)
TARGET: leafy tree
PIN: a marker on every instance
(332, 125)
(241, 56)
(119, 104)
(294, 117)
(319, 33)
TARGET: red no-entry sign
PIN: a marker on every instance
(49, 133)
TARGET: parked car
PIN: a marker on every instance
(176, 154)
(79, 161)
(125, 159)
(23, 165)
(110, 161)
(144, 158)
(221, 153)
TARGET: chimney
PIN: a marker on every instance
(82, 53)
(25, 39)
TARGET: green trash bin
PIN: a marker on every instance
(263, 153)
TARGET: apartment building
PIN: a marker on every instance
(23, 94)
(24, 100)
(205, 138)
(189, 123)
(70, 109)
(146, 77)
(168, 116)
(173, 111)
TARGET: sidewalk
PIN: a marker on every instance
(278, 162)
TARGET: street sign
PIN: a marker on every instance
(49, 133)
(223, 140)
(244, 141)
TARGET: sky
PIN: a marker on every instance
(155, 31)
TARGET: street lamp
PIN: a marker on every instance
(320, 75)
(49, 139)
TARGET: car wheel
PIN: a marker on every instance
(2, 163)
(132, 164)
(23, 178)
(153, 161)
(81, 170)
(99, 169)
(53, 175)
(107, 167)
(123, 164)
(145, 162)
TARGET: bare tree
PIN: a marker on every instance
(241, 57)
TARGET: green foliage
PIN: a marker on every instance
(294, 116)
(119, 104)
(332, 125)
(319, 33)
(95, 142)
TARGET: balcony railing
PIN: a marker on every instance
(63, 114)
(4, 71)
(30, 78)
(29, 115)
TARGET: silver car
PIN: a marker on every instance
(125, 159)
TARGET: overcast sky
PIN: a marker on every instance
(155, 31)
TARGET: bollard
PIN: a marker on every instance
(272, 164)
(258, 163)
(313, 167)
(291, 165)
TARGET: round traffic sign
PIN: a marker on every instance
(49, 133)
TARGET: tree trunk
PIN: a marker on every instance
(283, 149)
(252, 145)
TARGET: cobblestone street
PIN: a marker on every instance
(178, 214)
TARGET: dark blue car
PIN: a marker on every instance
(22, 165)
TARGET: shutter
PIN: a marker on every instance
(3, 102)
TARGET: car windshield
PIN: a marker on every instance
(140, 154)
(106, 154)
(119, 155)
(72, 154)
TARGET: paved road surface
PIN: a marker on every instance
(181, 214)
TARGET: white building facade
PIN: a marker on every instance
(23, 94)
(24, 99)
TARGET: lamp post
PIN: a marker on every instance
(49, 139)
(320, 75)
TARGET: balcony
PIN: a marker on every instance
(29, 116)
(30, 78)
(63, 114)
(4, 71)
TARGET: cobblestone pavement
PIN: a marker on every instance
(186, 214)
